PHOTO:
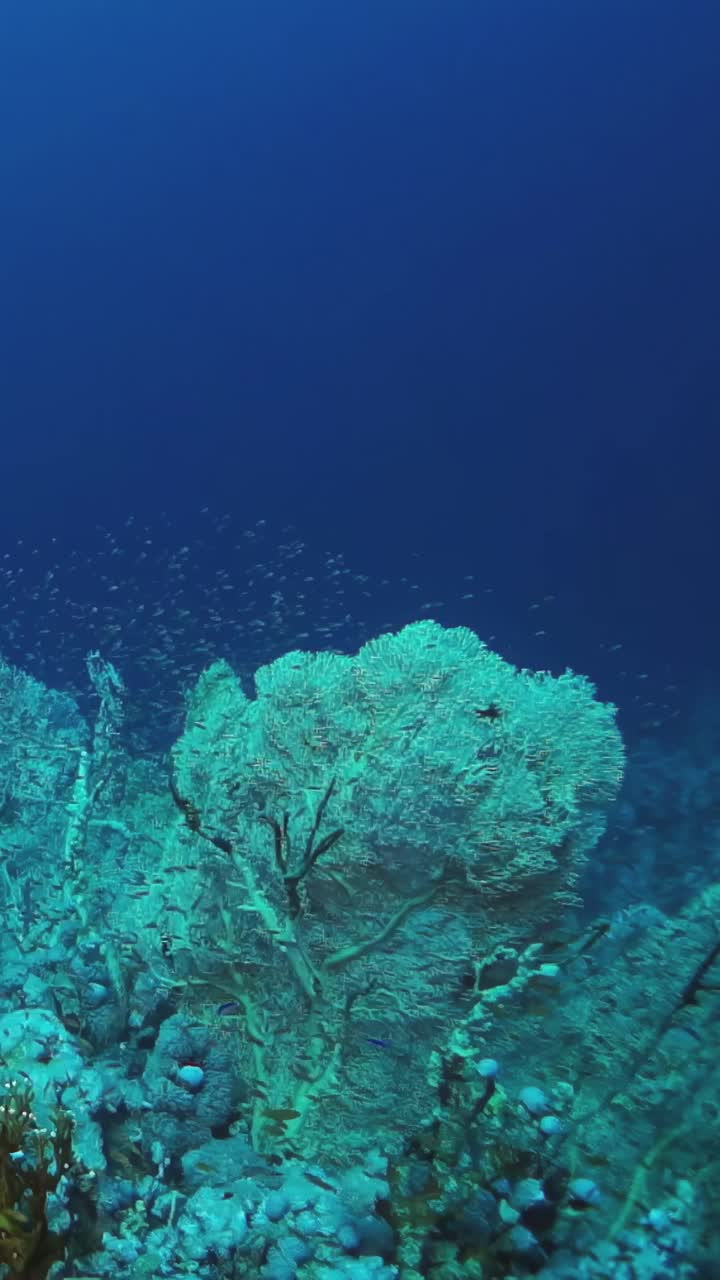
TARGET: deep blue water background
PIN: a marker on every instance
(431, 278)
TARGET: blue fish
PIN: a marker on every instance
(228, 1006)
(378, 1043)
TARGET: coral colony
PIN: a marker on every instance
(312, 993)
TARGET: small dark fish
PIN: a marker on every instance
(260, 1172)
(320, 1182)
(378, 1043)
(227, 1006)
(281, 1114)
(537, 1010)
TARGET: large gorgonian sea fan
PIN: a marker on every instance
(373, 825)
(436, 748)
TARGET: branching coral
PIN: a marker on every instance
(32, 1162)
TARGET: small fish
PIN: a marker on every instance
(320, 1182)
(537, 1010)
(281, 1114)
(228, 1006)
(260, 1172)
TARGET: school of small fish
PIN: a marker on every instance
(161, 600)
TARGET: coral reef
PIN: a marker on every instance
(315, 996)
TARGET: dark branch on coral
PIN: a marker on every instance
(193, 820)
(695, 984)
(313, 851)
(280, 838)
(316, 824)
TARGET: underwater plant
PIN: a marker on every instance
(33, 1161)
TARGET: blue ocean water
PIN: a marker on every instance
(318, 320)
